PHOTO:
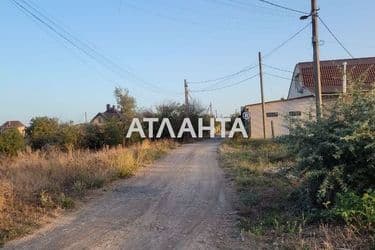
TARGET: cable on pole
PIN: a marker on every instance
(283, 7)
(277, 68)
(335, 37)
(286, 41)
(31, 11)
(226, 86)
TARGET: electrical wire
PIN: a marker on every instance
(277, 76)
(226, 86)
(335, 37)
(85, 48)
(226, 77)
(277, 68)
(283, 7)
(287, 41)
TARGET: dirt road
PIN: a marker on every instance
(178, 203)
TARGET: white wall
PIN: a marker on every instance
(306, 105)
(296, 87)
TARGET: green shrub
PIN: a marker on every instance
(336, 153)
(43, 131)
(356, 210)
(11, 142)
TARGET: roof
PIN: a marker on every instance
(331, 73)
(109, 114)
(12, 124)
(280, 100)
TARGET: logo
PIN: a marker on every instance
(186, 127)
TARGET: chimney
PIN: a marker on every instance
(108, 107)
(344, 80)
(113, 108)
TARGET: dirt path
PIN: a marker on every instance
(178, 203)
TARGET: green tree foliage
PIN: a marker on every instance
(43, 131)
(337, 152)
(92, 137)
(126, 103)
(69, 136)
(11, 142)
(112, 133)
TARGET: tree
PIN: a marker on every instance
(92, 136)
(43, 131)
(11, 142)
(113, 135)
(68, 136)
(126, 103)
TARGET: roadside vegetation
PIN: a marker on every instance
(55, 164)
(36, 184)
(315, 188)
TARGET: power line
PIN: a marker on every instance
(286, 41)
(226, 86)
(277, 76)
(335, 37)
(283, 7)
(277, 68)
(85, 48)
(226, 77)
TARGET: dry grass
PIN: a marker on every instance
(35, 184)
(262, 172)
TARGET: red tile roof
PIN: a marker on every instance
(331, 73)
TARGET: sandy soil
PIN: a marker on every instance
(180, 202)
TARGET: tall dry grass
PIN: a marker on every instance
(35, 184)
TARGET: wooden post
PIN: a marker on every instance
(262, 94)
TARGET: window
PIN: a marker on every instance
(295, 113)
(272, 114)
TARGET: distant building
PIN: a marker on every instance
(301, 96)
(111, 113)
(13, 124)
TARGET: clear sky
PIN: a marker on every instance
(162, 42)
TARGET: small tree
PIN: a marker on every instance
(92, 136)
(11, 142)
(113, 134)
(43, 131)
(69, 136)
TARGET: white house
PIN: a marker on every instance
(300, 103)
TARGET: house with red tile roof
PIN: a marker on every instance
(300, 103)
(332, 71)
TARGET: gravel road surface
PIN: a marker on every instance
(180, 202)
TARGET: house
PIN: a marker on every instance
(332, 76)
(336, 75)
(13, 124)
(111, 113)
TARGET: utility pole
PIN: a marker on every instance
(211, 109)
(186, 98)
(262, 94)
(316, 67)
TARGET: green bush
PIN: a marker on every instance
(337, 153)
(43, 131)
(356, 210)
(11, 142)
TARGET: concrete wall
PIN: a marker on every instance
(305, 105)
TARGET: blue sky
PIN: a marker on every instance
(162, 42)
